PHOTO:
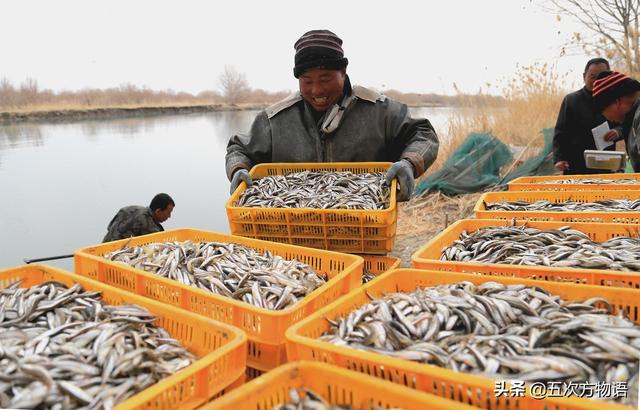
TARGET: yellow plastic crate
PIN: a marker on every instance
(558, 197)
(428, 256)
(542, 183)
(265, 328)
(336, 385)
(342, 230)
(475, 390)
(222, 349)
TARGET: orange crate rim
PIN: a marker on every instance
(302, 343)
(378, 265)
(221, 349)
(558, 197)
(544, 183)
(337, 385)
(365, 231)
(264, 328)
(271, 169)
(428, 256)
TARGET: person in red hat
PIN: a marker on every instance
(329, 120)
(615, 95)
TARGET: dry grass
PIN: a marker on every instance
(29, 97)
(74, 106)
(421, 219)
(417, 216)
(80, 107)
(532, 101)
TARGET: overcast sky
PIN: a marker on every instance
(419, 46)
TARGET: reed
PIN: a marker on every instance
(531, 103)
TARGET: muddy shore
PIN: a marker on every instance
(109, 113)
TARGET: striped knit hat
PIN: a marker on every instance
(318, 49)
(610, 86)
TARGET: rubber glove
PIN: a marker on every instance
(403, 171)
(239, 176)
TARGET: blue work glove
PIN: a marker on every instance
(239, 176)
(403, 171)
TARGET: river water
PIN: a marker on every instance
(62, 183)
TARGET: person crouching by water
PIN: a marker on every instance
(137, 220)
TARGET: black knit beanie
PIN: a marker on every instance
(610, 86)
(318, 49)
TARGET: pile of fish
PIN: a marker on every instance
(608, 205)
(499, 331)
(63, 348)
(232, 270)
(321, 190)
(600, 181)
(367, 276)
(562, 248)
(311, 400)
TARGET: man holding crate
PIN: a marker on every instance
(328, 120)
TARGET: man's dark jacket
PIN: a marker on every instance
(573, 132)
(373, 128)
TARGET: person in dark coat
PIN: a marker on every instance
(576, 119)
(137, 220)
(328, 120)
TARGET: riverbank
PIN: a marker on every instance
(82, 114)
(71, 114)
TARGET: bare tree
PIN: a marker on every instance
(29, 91)
(7, 93)
(233, 84)
(613, 25)
(28, 94)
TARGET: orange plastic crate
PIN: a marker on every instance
(336, 385)
(377, 265)
(342, 230)
(537, 183)
(558, 197)
(252, 373)
(428, 256)
(221, 348)
(265, 328)
(475, 390)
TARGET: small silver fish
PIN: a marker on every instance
(499, 331)
(320, 190)
(231, 270)
(63, 348)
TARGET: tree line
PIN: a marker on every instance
(233, 90)
(29, 95)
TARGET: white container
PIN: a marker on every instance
(609, 160)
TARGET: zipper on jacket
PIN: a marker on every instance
(323, 143)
